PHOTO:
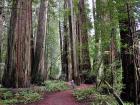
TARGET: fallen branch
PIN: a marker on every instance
(118, 99)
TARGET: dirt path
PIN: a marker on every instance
(60, 98)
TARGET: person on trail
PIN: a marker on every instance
(72, 84)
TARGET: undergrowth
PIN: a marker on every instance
(8, 97)
(95, 97)
(55, 86)
(106, 100)
(83, 94)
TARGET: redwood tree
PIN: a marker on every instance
(129, 60)
(18, 64)
(1, 27)
(70, 39)
(1, 32)
(85, 65)
(73, 41)
(39, 73)
(64, 44)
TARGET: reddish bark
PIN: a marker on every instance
(17, 72)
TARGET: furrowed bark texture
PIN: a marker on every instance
(18, 68)
(39, 73)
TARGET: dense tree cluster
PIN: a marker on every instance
(66, 39)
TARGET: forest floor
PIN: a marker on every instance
(61, 98)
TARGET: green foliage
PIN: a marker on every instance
(9, 101)
(35, 2)
(52, 40)
(97, 98)
(4, 93)
(83, 94)
(27, 96)
(55, 86)
(7, 94)
(128, 103)
(54, 71)
(8, 97)
(104, 100)
(118, 85)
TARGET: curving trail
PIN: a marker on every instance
(60, 98)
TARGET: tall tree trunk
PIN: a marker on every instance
(64, 45)
(70, 57)
(127, 32)
(61, 44)
(17, 72)
(113, 57)
(79, 45)
(85, 59)
(39, 72)
(60, 34)
(1, 35)
(1, 29)
(97, 59)
(70, 53)
(136, 53)
(74, 41)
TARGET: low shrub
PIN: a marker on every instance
(9, 101)
(94, 97)
(5, 93)
(84, 94)
(104, 100)
(55, 86)
(27, 96)
(128, 103)
(7, 97)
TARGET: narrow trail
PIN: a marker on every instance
(60, 98)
